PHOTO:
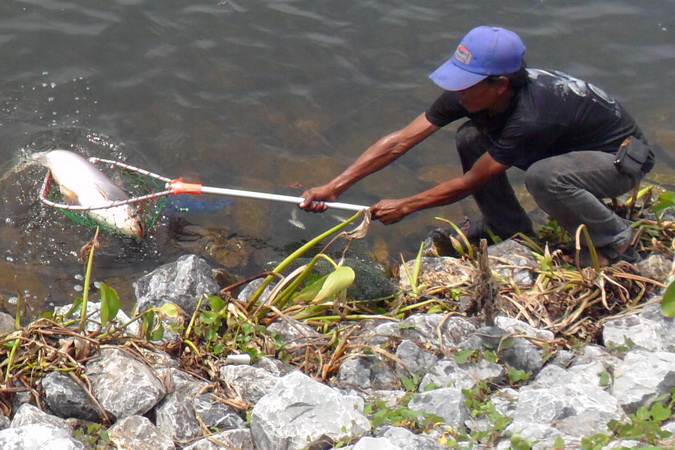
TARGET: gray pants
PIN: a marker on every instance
(568, 187)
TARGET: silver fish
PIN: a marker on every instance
(81, 183)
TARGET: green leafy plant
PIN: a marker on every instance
(110, 304)
(596, 441)
(281, 300)
(466, 355)
(380, 414)
(93, 435)
(210, 323)
(463, 248)
(411, 382)
(666, 200)
(668, 302)
(414, 276)
(517, 376)
(645, 424)
(520, 443)
(551, 231)
(480, 406)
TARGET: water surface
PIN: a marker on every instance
(273, 96)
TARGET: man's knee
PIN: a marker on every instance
(471, 144)
(467, 136)
(541, 178)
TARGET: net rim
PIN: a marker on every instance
(48, 179)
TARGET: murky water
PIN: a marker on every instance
(273, 96)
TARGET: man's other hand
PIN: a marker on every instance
(389, 211)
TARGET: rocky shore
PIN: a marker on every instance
(429, 380)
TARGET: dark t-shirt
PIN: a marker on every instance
(552, 114)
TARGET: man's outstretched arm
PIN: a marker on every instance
(392, 210)
(377, 156)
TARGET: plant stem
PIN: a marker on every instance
(87, 280)
(296, 254)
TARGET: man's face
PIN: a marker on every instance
(483, 95)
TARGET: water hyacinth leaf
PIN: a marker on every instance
(157, 333)
(668, 302)
(169, 310)
(666, 200)
(110, 303)
(208, 317)
(311, 311)
(216, 303)
(310, 292)
(660, 412)
(77, 305)
(462, 356)
(339, 280)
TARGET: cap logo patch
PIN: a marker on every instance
(462, 54)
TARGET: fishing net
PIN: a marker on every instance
(146, 190)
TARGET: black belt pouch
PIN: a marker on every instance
(632, 156)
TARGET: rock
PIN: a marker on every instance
(175, 415)
(416, 361)
(655, 267)
(565, 409)
(368, 372)
(37, 437)
(382, 334)
(666, 332)
(301, 412)
(123, 385)
(513, 261)
(389, 398)
(435, 272)
(436, 330)
(447, 373)
(30, 415)
(563, 358)
(138, 433)
(642, 377)
(7, 323)
(519, 327)
(251, 383)
(516, 352)
(552, 375)
(93, 322)
(572, 397)
(296, 336)
(595, 353)
(216, 415)
(447, 403)
(397, 438)
(650, 330)
(67, 399)
(274, 366)
(251, 288)
(181, 282)
(231, 439)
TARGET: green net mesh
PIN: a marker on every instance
(135, 184)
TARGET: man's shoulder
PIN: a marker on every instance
(552, 93)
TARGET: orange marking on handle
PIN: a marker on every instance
(179, 187)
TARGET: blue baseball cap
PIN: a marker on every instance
(484, 51)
